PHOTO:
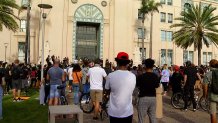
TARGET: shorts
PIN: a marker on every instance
(96, 95)
(16, 84)
(24, 83)
(213, 108)
(54, 92)
(71, 82)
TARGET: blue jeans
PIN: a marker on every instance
(86, 88)
(76, 93)
(1, 96)
(54, 92)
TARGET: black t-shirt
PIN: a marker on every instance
(24, 72)
(176, 79)
(7, 75)
(147, 84)
(191, 73)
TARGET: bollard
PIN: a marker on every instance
(159, 102)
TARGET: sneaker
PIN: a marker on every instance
(185, 109)
(194, 110)
(83, 101)
(14, 100)
(19, 100)
(95, 118)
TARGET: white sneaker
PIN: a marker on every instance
(14, 100)
(83, 101)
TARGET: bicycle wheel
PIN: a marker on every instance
(86, 104)
(204, 104)
(104, 114)
(63, 100)
(177, 101)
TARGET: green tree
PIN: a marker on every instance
(7, 16)
(148, 7)
(197, 26)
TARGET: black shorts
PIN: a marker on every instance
(16, 84)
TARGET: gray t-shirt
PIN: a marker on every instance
(84, 73)
(55, 75)
(208, 80)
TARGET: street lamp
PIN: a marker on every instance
(43, 7)
(6, 45)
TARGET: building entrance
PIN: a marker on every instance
(87, 40)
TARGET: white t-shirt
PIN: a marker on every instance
(70, 72)
(96, 75)
(122, 84)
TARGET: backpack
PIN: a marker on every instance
(15, 73)
(214, 83)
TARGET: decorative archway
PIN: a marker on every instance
(88, 13)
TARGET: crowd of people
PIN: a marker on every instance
(83, 76)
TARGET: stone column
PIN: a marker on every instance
(159, 102)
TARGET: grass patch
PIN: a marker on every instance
(28, 111)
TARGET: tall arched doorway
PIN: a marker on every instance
(88, 32)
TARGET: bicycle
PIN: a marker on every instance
(86, 103)
(205, 104)
(87, 106)
(177, 100)
(63, 99)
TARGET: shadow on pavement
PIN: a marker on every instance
(173, 114)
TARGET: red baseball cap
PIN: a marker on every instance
(176, 68)
(122, 56)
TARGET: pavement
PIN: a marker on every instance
(170, 115)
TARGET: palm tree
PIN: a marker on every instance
(148, 7)
(197, 27)
(7, 16)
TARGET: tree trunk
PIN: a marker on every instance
(27, 44)
(151, 30)
(199, 55)
(143, 38)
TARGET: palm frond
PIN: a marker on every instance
(7, 16)
(197, 27)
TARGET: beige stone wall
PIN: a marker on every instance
(120, 31)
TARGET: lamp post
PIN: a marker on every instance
(44, 16)
(6, 45)
(27, 7)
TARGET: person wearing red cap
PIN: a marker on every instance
(121, 83)
(176, 80)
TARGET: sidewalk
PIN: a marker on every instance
(171, 115)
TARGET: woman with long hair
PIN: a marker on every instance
(77, 77)
(165, 77)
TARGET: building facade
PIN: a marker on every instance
(101, 29)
